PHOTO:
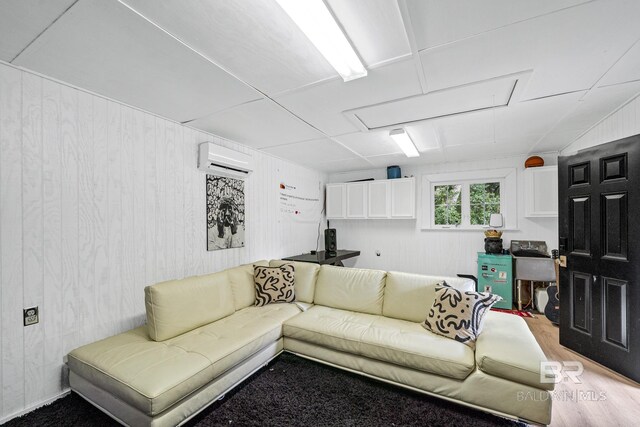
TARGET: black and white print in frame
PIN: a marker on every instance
(225, 213)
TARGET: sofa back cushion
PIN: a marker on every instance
(410, 296)
(352, 289)
(243, 285)
(178, 306)
(305, 277)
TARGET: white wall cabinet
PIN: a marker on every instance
(336, 201)
(403, 198)
(541, 191)
(357, 200)
(380, 199)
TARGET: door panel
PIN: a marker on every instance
(580, 292)
(580, 226)
(614, 226)
(615, 312)
(579, 174)
(614, 167)
(599, 188)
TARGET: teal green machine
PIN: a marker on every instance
(495, 275)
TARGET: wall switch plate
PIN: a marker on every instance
(563, 261)
(30, 316)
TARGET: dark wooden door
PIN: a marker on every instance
(599, 222)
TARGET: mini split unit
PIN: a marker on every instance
(221, 161)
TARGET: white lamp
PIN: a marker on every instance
(317, 23)
(404, 142)
(496, 220)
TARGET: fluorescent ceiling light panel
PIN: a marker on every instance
(404, 142)
(317, 23)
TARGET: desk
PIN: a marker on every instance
(321, 258)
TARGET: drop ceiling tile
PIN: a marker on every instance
(257, 124)
(254, 39)
(106, 48)
(342, 165)
(595, 106)
(322, 105)
(22, 20)
(430, 157)
(425, 135)
(437, 22)
(375, 28)
(445, 102)
(625, 70)
(370, 143)
(519, 124)
(481, 152)
(312, 152)
(567, 51)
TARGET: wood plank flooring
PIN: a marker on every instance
(618, 399)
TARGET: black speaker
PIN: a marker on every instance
(330, 242)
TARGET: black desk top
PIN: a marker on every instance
(321, 258)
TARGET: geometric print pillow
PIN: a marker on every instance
(274, 284)
(459, 315)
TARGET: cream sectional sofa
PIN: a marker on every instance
(204, 336)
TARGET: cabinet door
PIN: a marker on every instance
(357, 200)
(336, 201)
(378, 206)
(403, 198)
(542, 191)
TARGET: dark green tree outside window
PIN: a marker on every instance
(485, 200)
(448, 204)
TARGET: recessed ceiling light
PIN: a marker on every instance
(318, 24)
(404, 142)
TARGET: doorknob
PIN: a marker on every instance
(563, 244)
(595, 279)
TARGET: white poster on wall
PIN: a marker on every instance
(300, 200)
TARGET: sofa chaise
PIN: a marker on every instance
(204, 336)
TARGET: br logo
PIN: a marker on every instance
(556, 372)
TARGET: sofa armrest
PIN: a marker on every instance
(506, 348)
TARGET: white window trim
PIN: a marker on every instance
(508, 196)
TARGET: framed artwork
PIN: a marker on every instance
(225, 213)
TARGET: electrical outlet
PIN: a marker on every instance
(563, 261)
(30, 316)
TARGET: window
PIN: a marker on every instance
(484, 201)
(466, 200)
(447, 204)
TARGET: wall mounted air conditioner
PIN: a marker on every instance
(221, 161)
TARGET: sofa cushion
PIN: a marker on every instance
(459, 315)
(274, 284)
(306, 277)
(351, 289)
(410, 296)
(507, 349)
(152, 376)
(178, 306)
(377, 337)
(242, 284)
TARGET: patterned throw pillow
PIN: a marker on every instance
(274, 284)
(459, 315)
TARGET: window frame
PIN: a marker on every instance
(508, 197)
(465, 193)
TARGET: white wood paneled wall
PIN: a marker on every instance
(405, 247)
(97, 201)
(622, 123)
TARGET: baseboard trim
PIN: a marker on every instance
(35, 406)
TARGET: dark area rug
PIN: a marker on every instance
(292, 391)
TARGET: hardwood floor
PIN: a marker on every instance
(604, 398)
